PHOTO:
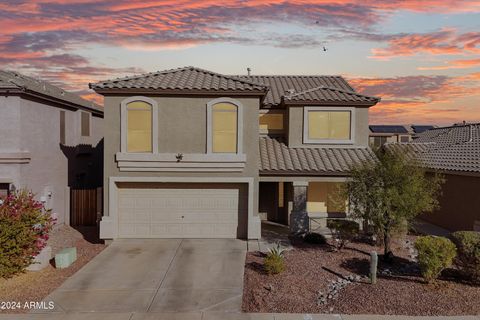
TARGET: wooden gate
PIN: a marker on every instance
(84, 206)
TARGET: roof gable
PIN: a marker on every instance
(187, 78)
(283, 85)
(328, 95)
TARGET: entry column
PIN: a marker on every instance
(299, 223)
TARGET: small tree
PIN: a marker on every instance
(390, 193)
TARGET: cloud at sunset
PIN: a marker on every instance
(50, 39)
(419, 97)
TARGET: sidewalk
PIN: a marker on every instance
(215, 316)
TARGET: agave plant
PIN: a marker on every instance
(276, 251)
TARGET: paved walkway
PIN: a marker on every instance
(217, 316)
(157, 275)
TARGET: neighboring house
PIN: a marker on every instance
(49, 141)
(455, 152)
(381, 134)
(191, 153)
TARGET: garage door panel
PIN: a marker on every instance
(173, 212)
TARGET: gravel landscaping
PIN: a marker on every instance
(34, 286)
(319, 280)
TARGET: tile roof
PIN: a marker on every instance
(326, 88)
(276, 89)
(328, 95)
(277, 158)
(10, 80)
(455, 148)
(388, 129)
(187, 78)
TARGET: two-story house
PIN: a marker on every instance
(50, 141)
(191, 153)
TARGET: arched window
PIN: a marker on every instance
(224, 126)
(139, 125)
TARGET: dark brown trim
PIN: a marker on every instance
(264, 173)
(329, 103)
(178, 92)
(35, 96)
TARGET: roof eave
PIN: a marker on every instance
(328, 103)
(117, 91)
(304, 173)
(24, 91)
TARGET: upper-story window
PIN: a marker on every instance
(139, 125)
(328, 125)
(224, 127)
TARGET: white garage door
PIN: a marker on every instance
(179, 212)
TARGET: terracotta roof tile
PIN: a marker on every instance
(187, 78)
(299, 88)
(277, 158)
(455, 148)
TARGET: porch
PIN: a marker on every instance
(302, 204)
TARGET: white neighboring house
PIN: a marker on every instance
(43, 132)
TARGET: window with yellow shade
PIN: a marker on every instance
(224, 127)
(139, 127)
(328, 125)
(270, 122)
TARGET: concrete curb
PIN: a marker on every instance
(218, 316)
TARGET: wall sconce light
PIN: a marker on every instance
(179, 157)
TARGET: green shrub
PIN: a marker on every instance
(468, 249)
(434, 255)
(343, 231)
(24, 228)
(315, 238)
(274, 262)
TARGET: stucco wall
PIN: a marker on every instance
(295, 128)
(34, 127)
(459, 204)
(10, 136)
(182, 128)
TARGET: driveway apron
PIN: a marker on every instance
(158, 275)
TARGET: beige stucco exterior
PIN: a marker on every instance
(459, 203)
(296, 128)
(30, 152)
(182, 128)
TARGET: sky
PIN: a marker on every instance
(421, 57)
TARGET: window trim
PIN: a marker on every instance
(239, 106)
(124, 125)
(306, 138)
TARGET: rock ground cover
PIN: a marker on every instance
(320, 280)
(34, 286)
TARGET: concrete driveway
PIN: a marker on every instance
(158, 275)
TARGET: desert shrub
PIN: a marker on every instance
(468, 249)
(343, 231)
(24, 228)
(274, 262)
(315, 238)
(434, 255)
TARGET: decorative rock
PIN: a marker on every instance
(42, 260)
(65, 258)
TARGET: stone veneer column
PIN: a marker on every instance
(299, 223)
